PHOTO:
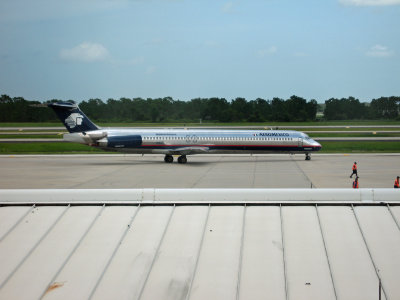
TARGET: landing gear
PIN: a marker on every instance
(308, 156)
(168, 159)
(182, 159)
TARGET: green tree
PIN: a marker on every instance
(385, 107)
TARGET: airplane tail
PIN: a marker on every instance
(72, 117)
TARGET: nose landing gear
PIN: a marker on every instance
(308, 156)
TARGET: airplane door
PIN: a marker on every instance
(300, 142)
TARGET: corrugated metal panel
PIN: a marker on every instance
(262, 267)
(10, 217)
(199, 252)
(17, 246)
(217, 272)
(38, 271)
(127, 272)
(308, 275)
(396, 214)
(383, 240)
(101, 240)
(172, 273)
(353, 273)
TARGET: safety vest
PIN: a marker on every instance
(354, 167)
(355, 184)
(396, 183)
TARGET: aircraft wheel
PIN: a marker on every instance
(308, 157)
(168, 159)
(182, 159)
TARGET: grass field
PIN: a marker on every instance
(72, 148)
(344, 134)
(46, 148)
(344, 129)
(360, 147)
(30, 136)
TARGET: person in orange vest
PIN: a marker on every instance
(396, 183)
(354, 170)
(355, 183)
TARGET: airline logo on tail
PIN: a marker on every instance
(73, 120)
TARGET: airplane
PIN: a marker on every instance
(180, 142)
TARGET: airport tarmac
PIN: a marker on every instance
(201, 171)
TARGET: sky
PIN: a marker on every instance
(186, 49)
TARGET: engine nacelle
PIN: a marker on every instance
(97, 135)
(91, 137)
(123, 141)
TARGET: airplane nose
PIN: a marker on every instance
(317, 145)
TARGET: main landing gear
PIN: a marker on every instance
(168, 159)
(181, 159)
(308, 156)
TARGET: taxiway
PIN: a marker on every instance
(201, 171)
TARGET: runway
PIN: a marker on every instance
(201, 171)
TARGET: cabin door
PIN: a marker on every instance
(300, 142)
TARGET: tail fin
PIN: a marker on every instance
(72, 117)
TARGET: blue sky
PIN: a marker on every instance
(82, 49)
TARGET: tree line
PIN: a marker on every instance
(294, 109)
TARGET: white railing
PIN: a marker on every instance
(197, 196)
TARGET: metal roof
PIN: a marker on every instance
(221, 250)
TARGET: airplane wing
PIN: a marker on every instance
(187, 150)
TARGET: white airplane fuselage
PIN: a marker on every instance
(179, 141)
(185, 142)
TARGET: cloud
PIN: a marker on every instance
(228, 8)
(268, 51)
(212, 44)
(85, 52)
(299, 54)
(379, 51)
(370, 2)
(150, 70)
(136, 60)
(155, 41)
